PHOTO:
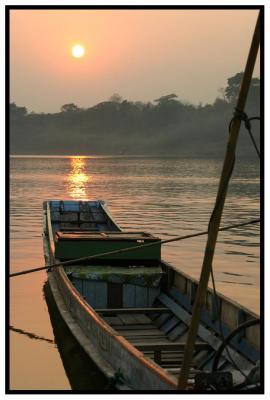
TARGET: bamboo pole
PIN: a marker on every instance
(216, 216)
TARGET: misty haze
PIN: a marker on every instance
(167, 126)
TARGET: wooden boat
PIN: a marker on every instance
(131, 311)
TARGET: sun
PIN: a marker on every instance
(78, 51)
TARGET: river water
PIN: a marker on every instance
(165, 196)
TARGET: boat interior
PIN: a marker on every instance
(140, 300)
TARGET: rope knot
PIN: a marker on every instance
(243, 117)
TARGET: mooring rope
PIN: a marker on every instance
(30, 334)
(127, 249)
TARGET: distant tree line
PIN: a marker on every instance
(167, 126)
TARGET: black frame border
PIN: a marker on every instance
(8, 9)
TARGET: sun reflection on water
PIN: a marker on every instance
(77, 178)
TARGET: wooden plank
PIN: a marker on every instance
(101, 293)
(49, 225)
(147, 310)
(141, 296)
(89, 292)
(146, 332)
(176, 371)
(221, 364)
(169, 346)
(113, 321)
(203, 332)
(129, 295)
(151, 339)
(127, 319)
(152, 295)
(159, 321)
(205, 360)
(173, 355)
(78, 283)
(178, 331)
(142, 319)
(176, 363)
(170, 324)
(140, 327)
(200, 357)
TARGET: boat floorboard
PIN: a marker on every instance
(144, 332)
(126, 319)
(152, 336)
(160, 337)
(119, 328)
(134, 319)
(113, 321)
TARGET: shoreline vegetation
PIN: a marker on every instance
(167, 126)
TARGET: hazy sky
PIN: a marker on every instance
(140, 54)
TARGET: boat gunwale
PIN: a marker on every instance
(107, 212)
(209, 289)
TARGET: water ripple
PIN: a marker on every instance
(168, 197)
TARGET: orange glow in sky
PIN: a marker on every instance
(140, 54)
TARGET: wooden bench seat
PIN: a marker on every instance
(167, 349)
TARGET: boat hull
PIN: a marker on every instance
(119, 360)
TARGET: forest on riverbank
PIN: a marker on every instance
(168, 126)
